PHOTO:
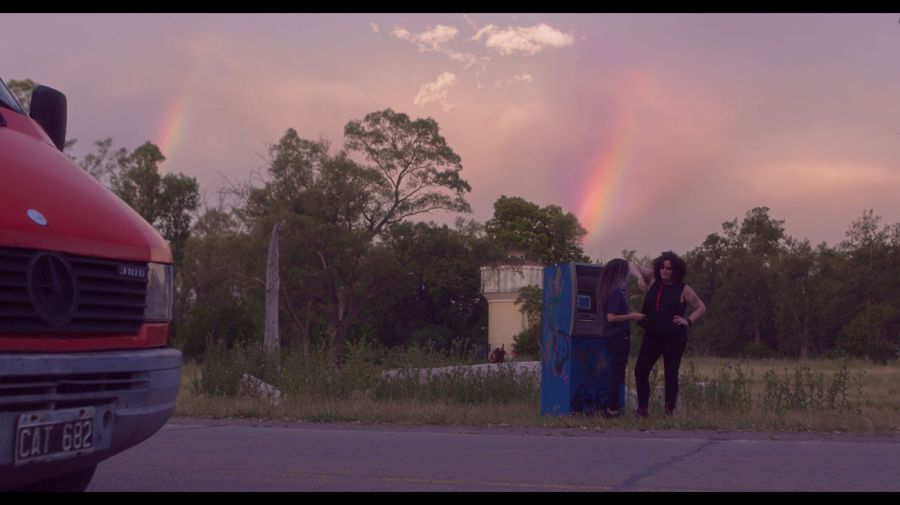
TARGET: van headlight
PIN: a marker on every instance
(159, 293)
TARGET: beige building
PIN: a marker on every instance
(500, 285)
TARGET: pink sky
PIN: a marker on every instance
(652, 128)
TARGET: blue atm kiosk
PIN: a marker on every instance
(574, 360)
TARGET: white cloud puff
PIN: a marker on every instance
(523, 77)
(527, 40)
(436, 91)
(431, 40)
(436, 40)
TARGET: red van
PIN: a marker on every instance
(86, 370)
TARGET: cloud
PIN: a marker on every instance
(375, 27)
(431, 40)
(523, 77)
(436, 91)
(525, 40)
(436, 40)
(465, 58)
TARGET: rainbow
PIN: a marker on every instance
(602, 201)
(174, 124)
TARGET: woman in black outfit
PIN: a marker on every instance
(665, 325)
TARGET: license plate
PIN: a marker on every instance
(54, 435)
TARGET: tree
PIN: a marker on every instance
(412, 160)
(102, 164)
(336, 210)
(761, 241)
(869, 254)
(436, 298)
(797, 277)
(873, 333)
(531, 304)
(733, 273)
(706, 267)
(220, 293)
(166, 202)
(545, 234)
(871, 272)
(271, 340)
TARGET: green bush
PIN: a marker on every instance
(222, 369)
(807, 390)
(228, 322)
(316, 376)
(527, 344)
(757, 350)
(872, 333)
(727, 390)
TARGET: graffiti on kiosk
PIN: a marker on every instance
(556, 350)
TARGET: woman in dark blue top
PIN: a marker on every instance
(616, 326)
(666, 325)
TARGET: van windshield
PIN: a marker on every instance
(7, 100)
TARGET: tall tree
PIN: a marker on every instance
(102, 163)
(437, 296)
(417, 172)
(706, 266)
(221, 285)
(733, 272)
(872, 269)
(797, 275)
(868, 248)
(761, 240)
(167, 202)
(545, 234)
(336, 209)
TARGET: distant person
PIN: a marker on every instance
(616, 318)
(498, 354)
(665, 326)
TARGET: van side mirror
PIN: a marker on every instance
(48, 109)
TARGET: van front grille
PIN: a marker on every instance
(51, 292)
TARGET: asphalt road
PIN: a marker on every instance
(202, 455)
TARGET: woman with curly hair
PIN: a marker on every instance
(665, 306)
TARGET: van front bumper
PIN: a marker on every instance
(131, 394)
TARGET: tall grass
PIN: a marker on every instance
(502, 385)
(399, 386)
(727, 389)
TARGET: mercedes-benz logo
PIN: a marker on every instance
(51, 287)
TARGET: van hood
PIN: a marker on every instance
(48, 202)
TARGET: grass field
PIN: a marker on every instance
(717, 394)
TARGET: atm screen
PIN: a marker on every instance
(584, 302)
